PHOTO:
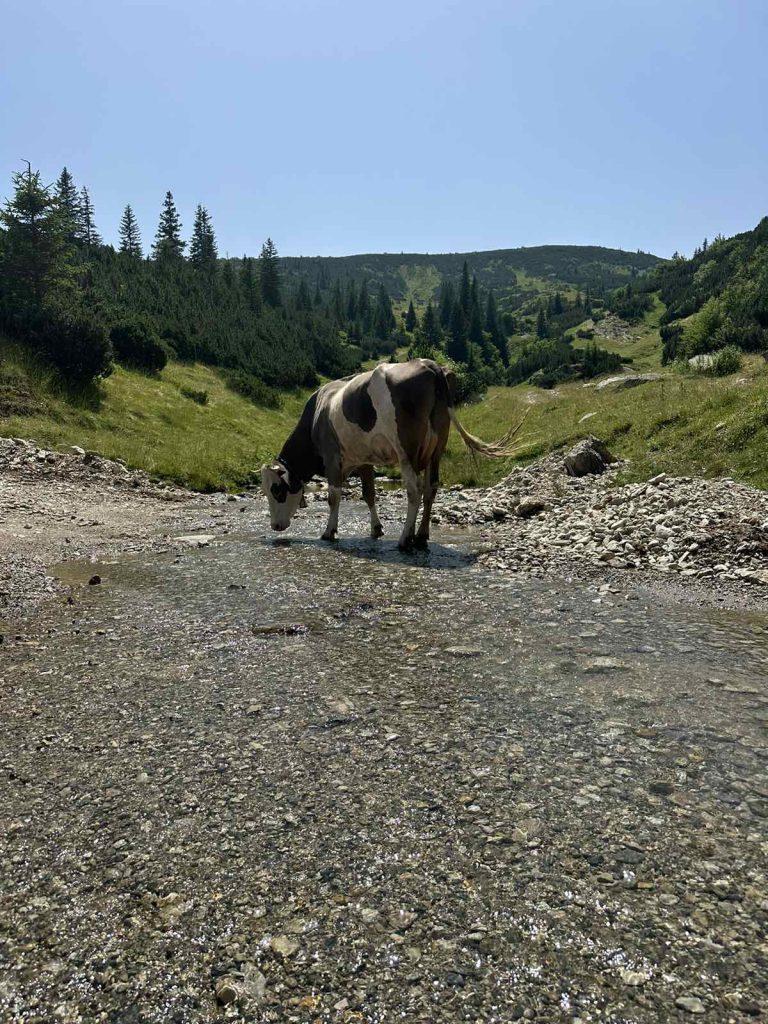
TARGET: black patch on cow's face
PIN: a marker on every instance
(357, 406)
(279, 490)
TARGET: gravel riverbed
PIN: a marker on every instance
(270, 779)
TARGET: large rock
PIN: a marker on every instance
(701, 362)
(588, 456)
(628, 381)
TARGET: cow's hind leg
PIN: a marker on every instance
(369, 497)
(431, 483)
(413, 489)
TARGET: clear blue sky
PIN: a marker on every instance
(338, 127)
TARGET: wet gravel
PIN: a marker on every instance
(288, 781)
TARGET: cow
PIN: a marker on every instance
(396, 414)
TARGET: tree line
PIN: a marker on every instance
(81, 304)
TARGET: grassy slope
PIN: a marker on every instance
(683, 424)
(149, 423)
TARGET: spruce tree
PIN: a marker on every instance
(542, 329)
(87, 234)
(269, 275)
(465, 290)
(130, 236)
(33, 254)
(352, 302)
(493, 328)
(69, 204)
(410, 317)
(475, 332)
(364, 307)
(428, 337)
(384, 319)
(249, 286)
(447, 300)
(303, 298)
(203, 251)
(457, 347)
(168, 244)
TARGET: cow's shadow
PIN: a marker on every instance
(435, 556)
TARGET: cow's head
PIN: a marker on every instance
(284, 494)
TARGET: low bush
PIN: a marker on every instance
(137, 345)
(252, 388)
(726, 361)
(76, 344)
(201, 397)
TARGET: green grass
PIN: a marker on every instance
(149, 422)
(683, 424)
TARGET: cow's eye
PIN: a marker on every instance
(279, 490)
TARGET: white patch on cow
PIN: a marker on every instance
(280, 512)
(381, 445)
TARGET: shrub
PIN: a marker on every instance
(201, 397)
(136, 344)
(252, 388)
(727, 360)
(76, 344)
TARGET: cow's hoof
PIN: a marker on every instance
(421, 542)
(329, 535)
(376, 532)
(405, 545)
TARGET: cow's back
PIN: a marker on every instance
(395, 412)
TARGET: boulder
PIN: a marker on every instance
(701, 362)
(588, 456)
(530, 507)
(629, 381)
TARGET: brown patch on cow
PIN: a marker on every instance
(420, 398)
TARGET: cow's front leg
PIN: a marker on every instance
(334, 500)
(413, 490)
(369, 497)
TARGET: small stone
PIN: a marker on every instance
(464, 652)
(284, 945)
(94, 580)
(690, 1003)
(661, 786)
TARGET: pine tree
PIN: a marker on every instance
(465, 290)
(203, 251)
(476, 326)
(542, 329)
(493, 327)
(249, 286)
(168, 242)
(33, 255)
(130, 236)
(364, 307)
(269, 275)
(557, 304)
(457, 347)
(303, 298)
(69, 204)
(87, 234)
(384, 318)
(352, 302)
(447, 300)
(474, 294)
(429, 328)
(410, 317)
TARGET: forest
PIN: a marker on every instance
(271, 323)
(82, 304)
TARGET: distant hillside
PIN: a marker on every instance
(717, 298)
(506, 271)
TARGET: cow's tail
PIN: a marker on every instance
(499, 449)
